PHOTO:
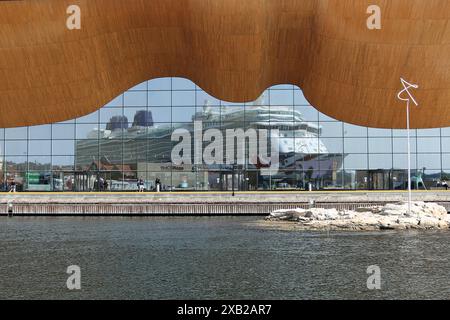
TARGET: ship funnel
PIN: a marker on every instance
(117, 123)
(143, 118)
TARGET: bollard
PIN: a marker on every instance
(10, 209)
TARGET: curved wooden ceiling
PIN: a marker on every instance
(233, 49)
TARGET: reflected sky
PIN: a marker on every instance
(176, 100)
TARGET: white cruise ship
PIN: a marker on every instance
(300, 148)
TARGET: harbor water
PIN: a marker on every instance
(214, 258)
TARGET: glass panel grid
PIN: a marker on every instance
(130, 139)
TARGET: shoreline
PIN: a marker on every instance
(295, 227)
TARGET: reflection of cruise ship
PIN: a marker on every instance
(149, 142)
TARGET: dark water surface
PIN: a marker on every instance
(213, 258)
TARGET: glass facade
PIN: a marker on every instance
(130, 139)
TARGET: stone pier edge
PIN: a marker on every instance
(196, 204)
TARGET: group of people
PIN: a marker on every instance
(102, 184)
(141, 185)
(10, 186)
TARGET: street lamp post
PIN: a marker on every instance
(232, 177)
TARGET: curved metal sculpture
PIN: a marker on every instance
(233, 49)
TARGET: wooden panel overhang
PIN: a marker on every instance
(233, 49)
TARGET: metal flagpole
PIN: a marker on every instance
(407, 86)
(409, 158)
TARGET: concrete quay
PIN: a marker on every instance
(199, 203)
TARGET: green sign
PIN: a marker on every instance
(33, 177)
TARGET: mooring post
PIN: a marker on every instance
(10, 209)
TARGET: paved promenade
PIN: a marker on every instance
(199, 203)
(213, 197)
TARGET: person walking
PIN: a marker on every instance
(12, 187)
(101, 184)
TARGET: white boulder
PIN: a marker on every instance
(391, 216)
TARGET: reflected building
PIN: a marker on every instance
(130, 139)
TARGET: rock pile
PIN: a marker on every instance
(389, 217)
